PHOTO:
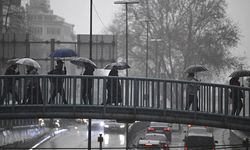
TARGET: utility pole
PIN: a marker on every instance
(90, 57)
(126, 3)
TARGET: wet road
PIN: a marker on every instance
(77, 137)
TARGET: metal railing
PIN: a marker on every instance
(130, 96)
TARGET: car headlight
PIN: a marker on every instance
(106, 126)
(122, 126)
(101, 124)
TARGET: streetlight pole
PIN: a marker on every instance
(126, 3)
(157, 70)
(90, 57)
(147, 26)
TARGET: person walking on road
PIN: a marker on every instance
(87, 86)
(236, 95)
(10, 85)
(191, 93)
(114, 88)
(57, 82)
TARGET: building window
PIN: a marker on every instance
(37, 30)
(53, 31)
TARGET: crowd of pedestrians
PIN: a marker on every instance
(236, 95)
(33, 93)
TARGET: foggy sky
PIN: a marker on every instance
(77, 12)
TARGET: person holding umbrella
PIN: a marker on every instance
(192, 89)
(87, 85)
(113, 85)
(57, 82)
(191, 93)
(113, 88)
(236, 95)
(10, 84)
(33, 93)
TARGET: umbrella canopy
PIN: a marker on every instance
(117, 65)
(240, 73)
(28, 62)
(64, 52)
(195, 68)
(83, 62)
(12, 61)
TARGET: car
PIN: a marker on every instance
(199, 138)
(81, 120)
(114, 126)
(160, 127)
(155, 141)
(96, 125)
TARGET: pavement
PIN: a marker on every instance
(21, 134)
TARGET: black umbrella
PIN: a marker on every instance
(83, 62)
(240, 73)
(117, 65)
(195, 68)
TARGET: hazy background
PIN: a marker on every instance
(77, 12)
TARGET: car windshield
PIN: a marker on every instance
(198, 129)
(199, 141)
(158, 124)
(159, 137)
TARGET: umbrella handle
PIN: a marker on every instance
(82, 71)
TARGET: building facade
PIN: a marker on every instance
(45, 25)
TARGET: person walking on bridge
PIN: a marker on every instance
(87, 85)
(191, 93)
(236, 95)
(33, 93)
(114, 88)
(57, 82)
(10, 85)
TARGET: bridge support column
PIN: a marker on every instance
(89, 135)
(246, 143)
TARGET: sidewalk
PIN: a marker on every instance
(21, 134)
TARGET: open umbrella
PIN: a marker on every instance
(28, 62)
(240, 73)
(195, 68)
(12, 61)
(64, 52)
(83, 62)
(117, 65)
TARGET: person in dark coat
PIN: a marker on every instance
(57, 82)
(191, 93)
(33, 93)
(87, 85)
(236, 95)
(114, 88)
(10, 85)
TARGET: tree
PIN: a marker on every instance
(191, 32)
(13, 17)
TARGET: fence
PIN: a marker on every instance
(22, 45)
(129, 92)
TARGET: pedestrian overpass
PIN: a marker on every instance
(143, 99)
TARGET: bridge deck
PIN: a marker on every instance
(141, 99)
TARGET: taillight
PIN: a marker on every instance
(189, 126)
(167, 129)
(165, 146)
(185, 147)
(151, 129)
